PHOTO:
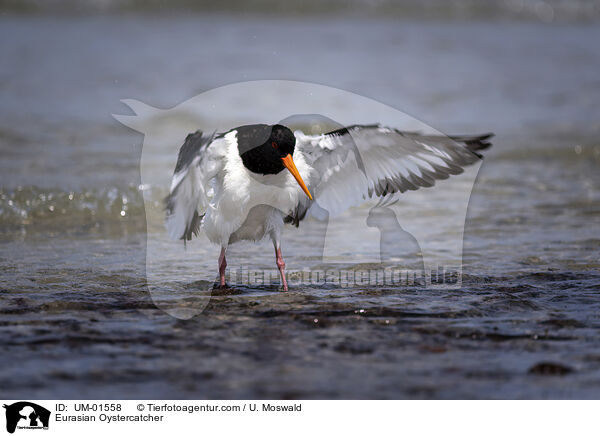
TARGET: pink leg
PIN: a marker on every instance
(222, 266)
(281, 266)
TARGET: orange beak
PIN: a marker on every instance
(291, 166)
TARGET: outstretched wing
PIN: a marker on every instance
(200, 160)
(360, 162)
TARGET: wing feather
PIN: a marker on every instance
(359, 162)
(200, 159)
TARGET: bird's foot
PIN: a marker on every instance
(221, 290)
(221, 286)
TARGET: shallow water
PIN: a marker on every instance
(77, 317)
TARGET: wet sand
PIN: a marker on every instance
(531, 336)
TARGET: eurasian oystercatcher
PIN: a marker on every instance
(234, 184)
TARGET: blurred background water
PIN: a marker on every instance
(77, 319)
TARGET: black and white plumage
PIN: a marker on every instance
(235, 186)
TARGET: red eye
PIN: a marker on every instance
(274, 145)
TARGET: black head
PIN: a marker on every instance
(262, 147)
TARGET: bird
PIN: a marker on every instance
(248, 182)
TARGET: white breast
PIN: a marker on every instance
(238, 191)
